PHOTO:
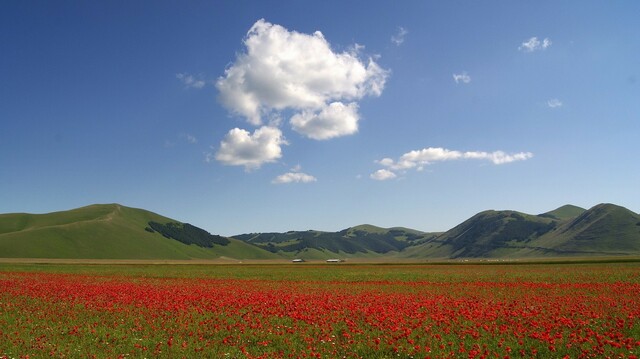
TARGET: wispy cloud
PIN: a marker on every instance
(189, 138)
(294, 176)
(554, 103)
(241, 148)
(462, 77)
(398, 37)
(418, 159)
(533, 44)
(189, 81)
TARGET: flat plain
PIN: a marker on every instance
(353, 310)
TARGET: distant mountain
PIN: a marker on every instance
(564, 212)
(359, 241)
(112, 231)
(604, 230)
(488, 234)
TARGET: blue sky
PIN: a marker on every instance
(255, 116)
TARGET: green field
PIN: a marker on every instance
(585, 269)
(320, 310)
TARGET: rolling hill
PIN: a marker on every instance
(359, 241)
(113, 231)
(604, 230)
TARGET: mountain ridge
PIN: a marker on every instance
(118, 232)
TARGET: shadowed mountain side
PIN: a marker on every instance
(359, 241)
(604, 230)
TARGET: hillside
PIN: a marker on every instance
(112, 231)
(604, 230)
(564, 212)
(487, 234)
(359, 241)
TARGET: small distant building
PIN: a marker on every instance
(334, 260)
(298, 260)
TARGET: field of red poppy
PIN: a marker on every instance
(320, 311)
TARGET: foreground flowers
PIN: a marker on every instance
(93, 316)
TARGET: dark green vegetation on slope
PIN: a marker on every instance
(187, 234)
(364, 240)
(117, 232)
(604, 230)
(109, 231)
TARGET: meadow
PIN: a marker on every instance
(313, 310)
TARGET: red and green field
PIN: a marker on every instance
(321, 311)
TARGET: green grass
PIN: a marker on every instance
(109, 231)
(584, 270)
(565, 212)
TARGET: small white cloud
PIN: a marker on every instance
(189, 81)
(399, 36)
(554, 103)
(334, 120)
(533, 44)
(294, 177)
(240, 148)
(463, 77)
(287, 70)
(418, 159)
(383, 175)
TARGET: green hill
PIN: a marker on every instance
(487, 234)
(112, 231)
(564, 212)
(359, 241)
(604, 230)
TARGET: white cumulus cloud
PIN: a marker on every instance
(189, 81)
(463, 77)
(399, 36)
(382, 175)
(417, 159)
(287, 70)
(241, 148)
(334, 120)
(533, 44)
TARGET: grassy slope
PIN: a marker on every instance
(486, 234)
(565, 212)
(363, 241)
(603, 229)
(102, 231)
